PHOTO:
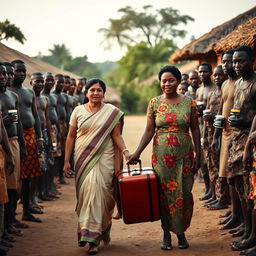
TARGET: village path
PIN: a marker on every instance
(56, 236)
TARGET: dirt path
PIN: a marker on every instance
(56, 236)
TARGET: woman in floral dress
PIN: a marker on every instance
(170, 116)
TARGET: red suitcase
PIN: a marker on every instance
(139, 195)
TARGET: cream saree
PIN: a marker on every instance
(94, 166)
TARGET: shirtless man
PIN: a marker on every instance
(55, 131)
(6, 160)
(72, 94)
(249, 162)
(227, 101)
(70, 99)
(212, 157)
(10, 73)
(194, 82)
(42, 103)
(205, 72)
(62, 108)
(244, 100)
(79, 90)
(32, 134)
(13, 126)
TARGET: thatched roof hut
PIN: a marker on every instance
(245, 34)
(202, 49)
(35, 65)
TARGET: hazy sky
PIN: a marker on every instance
(76, 22)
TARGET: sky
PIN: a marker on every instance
(76, 22)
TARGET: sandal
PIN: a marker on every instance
(93, 249)
(30, 217)
(14, 231)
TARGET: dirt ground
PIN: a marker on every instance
(57, 234)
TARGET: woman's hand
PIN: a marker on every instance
(127, 155)
(134, 158)
(67, 169)
(196, 164)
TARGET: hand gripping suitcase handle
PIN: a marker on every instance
(140, 170)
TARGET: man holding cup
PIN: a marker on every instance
(13, 126)
(245, 103)
(205, 72)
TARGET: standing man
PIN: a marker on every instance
(6, 167)
(62, 108)
(9, 101)
(244, 101)
(10, 73)
(32, 133)
(73, 98)
(194, 82)
(55, 131)
(42, 103)
(79, 90)
(205, 72)
(224, 135)
(212, 157)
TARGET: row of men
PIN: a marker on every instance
(229, 158)
(34, 125)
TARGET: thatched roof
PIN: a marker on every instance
(35, 65)
(245, 34)
(204, 45)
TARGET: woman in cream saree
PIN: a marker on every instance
(95, 133)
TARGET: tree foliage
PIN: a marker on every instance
(151, 26)
(9, 30)
(60, 56)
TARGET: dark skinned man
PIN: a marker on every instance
(79, 90)
(55, 132)
(32, 134)
(205, 72)
(244, 101)
(42, 103)
(14, 131)
(6, 160)
(227, 101)
(62, 109)
(212, 157)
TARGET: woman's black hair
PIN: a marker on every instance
(90, 83)
(93, 81)
(172, 69)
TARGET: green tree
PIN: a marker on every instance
(142, 61)
(61, 54)
(9, 30)
(151, 26)
(82, 67)
(61, 57)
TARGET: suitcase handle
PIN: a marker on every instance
(140, 170)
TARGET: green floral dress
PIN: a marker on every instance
(172, 160)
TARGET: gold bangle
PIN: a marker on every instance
(124, 150)
(40, 139)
